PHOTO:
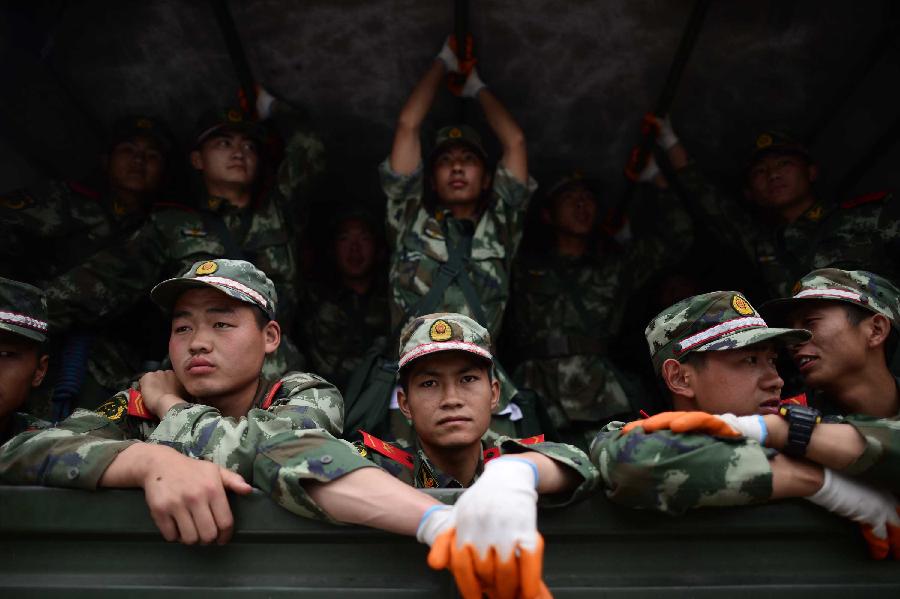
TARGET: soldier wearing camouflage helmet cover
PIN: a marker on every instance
(448, 393)
(567, 306)
(453, 226)
(238, 215)
(23, 359)
(788, 229)
(716, 357)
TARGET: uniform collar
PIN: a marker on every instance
(428, 476)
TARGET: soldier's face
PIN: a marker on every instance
(781, 181)
(216, 346)
(21, 369)
(355, 249)
(136, 165)
(573, 212)
(228, 157)
(740, 381)
(459, 176)
(837, 347)
(449, 400)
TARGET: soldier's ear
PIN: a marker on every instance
(41, 371)
(678, 378)
(495, 393)
(403, 403)
(272, 334)
(879, 328)
(196, 160)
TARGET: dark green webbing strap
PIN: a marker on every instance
(233, 250)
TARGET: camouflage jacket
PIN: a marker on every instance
(173, 238)
(863, 233)
(287, 437)
(670, 472)
(56, 225)
(419, 246)
(339, 326)
(880, 462)
(20, 422)
(565, 312)
(414, 468)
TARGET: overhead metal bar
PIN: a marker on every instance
(236, 53)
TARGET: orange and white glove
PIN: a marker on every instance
(874, 509)
(720, 425)
(493, 546)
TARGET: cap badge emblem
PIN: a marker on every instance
(440, 331)
(207, 268)
(454, 133)
(741, 306)
(764, 141)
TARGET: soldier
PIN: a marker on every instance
(235, 217)
(346, 314)
(568, 305)
(716, 356)
(454, 251)
(58, 224)
(188, 435)
(448, 392)
(23, 359)
(792, 231)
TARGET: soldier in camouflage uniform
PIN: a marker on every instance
(568, 304)
(716, 356)
(450, 215)
(792, 231)
(23, 360)
(236, 217)
(346, 314)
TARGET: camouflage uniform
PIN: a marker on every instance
(673, 472)
(23, 312)
(565, 311)
(860, 233)
(173, 238)
(339, 326)
(287, 437)
(434, 333)
(419, 238)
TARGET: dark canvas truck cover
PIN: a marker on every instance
(594, 549)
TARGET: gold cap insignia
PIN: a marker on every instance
(455, 133)
(440, 331)
(764, 141)
(814, 213)
(741, 306)
(207, 268)
(234, 116)
(143, 124)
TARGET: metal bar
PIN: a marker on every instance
(236, 53)
(461, 30)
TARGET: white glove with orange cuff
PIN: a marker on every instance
(874, 509)
(494, 546)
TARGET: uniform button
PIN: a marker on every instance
(73, 473)
(326, 459)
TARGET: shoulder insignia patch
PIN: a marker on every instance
(114, 409)
(270, 396)
(798, 400)
(136, 405)
(815, 213)
(868, 198)
(741, 306)
(387, 450)
(494, 452)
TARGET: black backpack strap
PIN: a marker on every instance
(233, 250)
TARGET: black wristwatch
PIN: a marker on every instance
(801, 422)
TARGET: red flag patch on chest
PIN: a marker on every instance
(387, 450)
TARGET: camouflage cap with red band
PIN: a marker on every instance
(227, 119)
(865, 289)
(776, 142)
(715, 321)
(23, 310)
(445, 331)
(236, 278)
(458, 135)
(131, 126)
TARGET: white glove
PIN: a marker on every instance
(264, 103)
(435, 520)
(500, 510)
(473, 85)
(874, 509)
(650, 170)
(752, 427)
(666, 138)
(448, 57)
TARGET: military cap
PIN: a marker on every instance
(23, 310)
(858, 287)
(574, 179)
(776, 142)
(458, 135)
(714, 321)
(444, 331)
(236, 278)
(227, 119)
(131, 126)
